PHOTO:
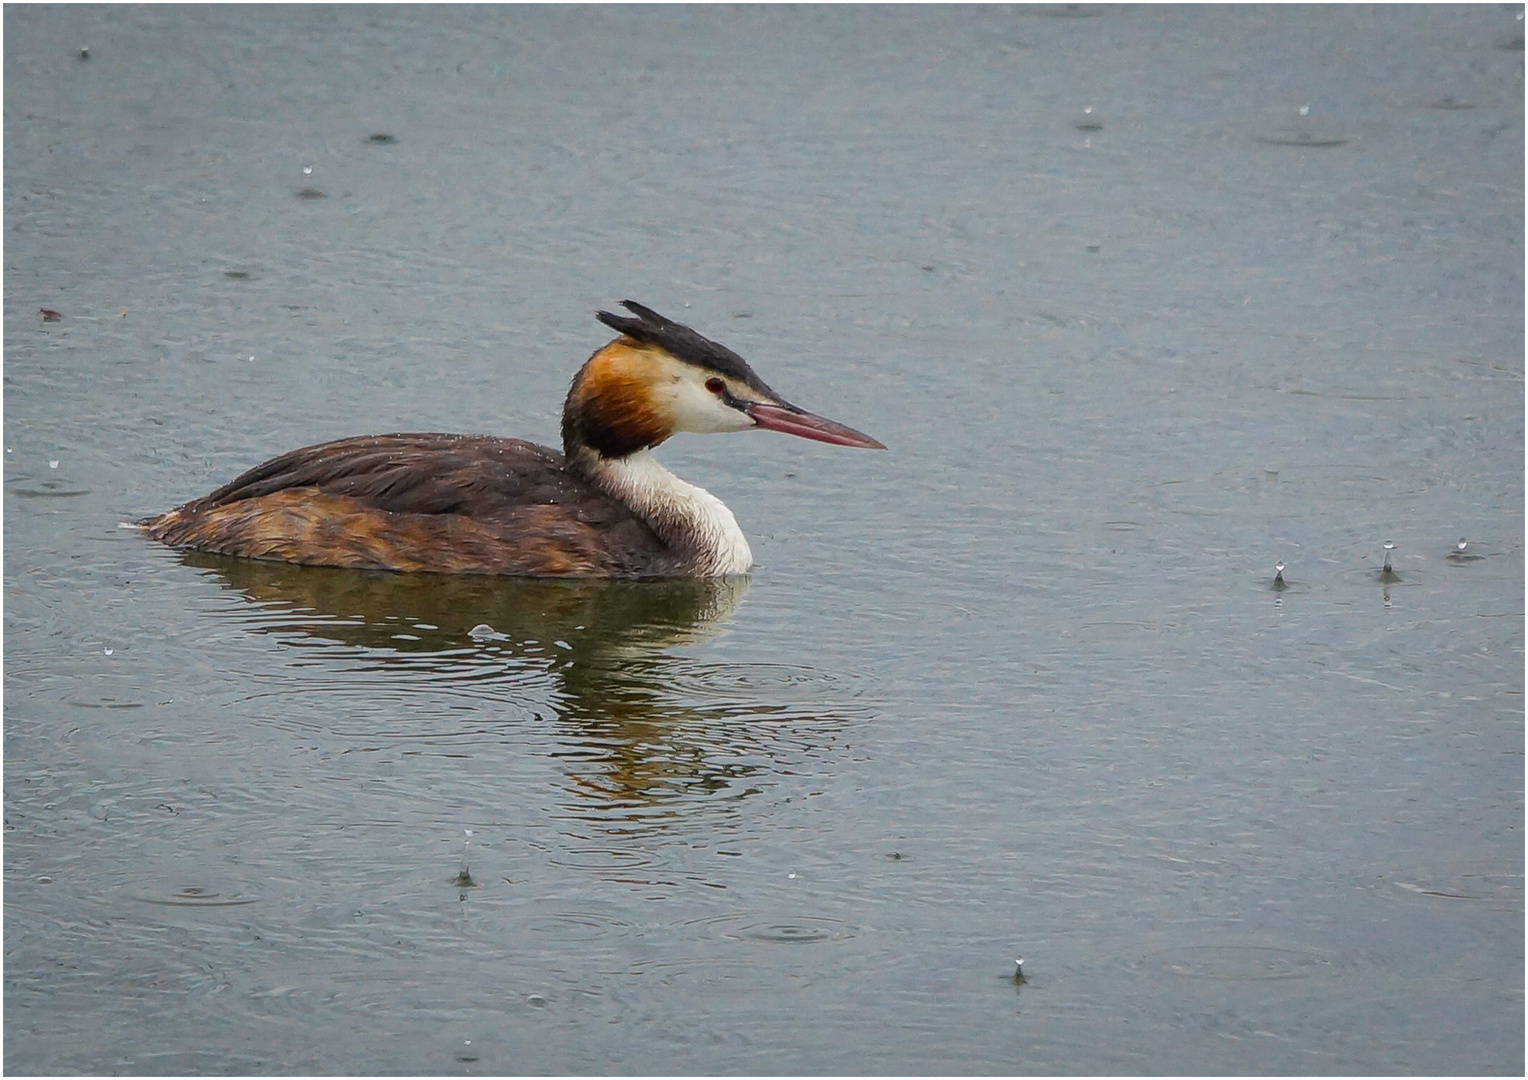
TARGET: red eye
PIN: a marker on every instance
(716, 386)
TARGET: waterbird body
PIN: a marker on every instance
(604, 507)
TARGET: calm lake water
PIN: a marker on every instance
(1143, 300)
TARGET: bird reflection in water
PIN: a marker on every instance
(643, 725)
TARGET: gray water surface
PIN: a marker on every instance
(1143, 300)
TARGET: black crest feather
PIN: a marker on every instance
(682, 343)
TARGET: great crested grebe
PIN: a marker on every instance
(475, 504)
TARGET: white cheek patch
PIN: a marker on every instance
(693, 408)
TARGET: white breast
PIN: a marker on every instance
(685, 517)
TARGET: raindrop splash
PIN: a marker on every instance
(463, 879)
(1462, 554)
(1387, 574)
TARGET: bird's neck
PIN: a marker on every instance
(690, 520)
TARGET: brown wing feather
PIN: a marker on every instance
(443, 503)
(418, 474)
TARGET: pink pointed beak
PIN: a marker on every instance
(794, 421)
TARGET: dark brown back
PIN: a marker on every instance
(449, 503)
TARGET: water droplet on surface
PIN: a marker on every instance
(535, 1001)
(53, 464)
(1461, 552)
(1304, 110)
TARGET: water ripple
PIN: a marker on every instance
(199, 896)
(793, 930)
(1240, 962)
